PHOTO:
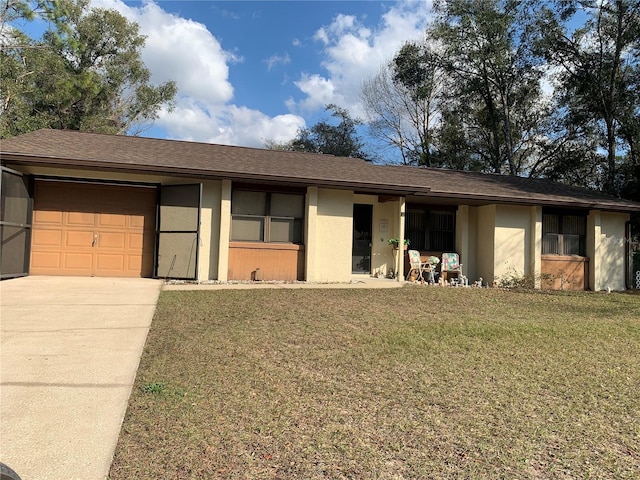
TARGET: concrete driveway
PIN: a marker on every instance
(69, 352)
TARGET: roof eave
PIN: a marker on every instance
(52, 162)
(492, 199)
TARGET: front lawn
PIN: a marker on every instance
(418, 382)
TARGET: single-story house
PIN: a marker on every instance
(76, 203)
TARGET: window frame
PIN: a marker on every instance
(297, 223)
(561, 240)
(428, 234)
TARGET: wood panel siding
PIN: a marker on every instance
(276, 261)
(564, 272)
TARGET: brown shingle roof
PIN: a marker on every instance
(74, 149)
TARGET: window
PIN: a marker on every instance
(563, 233)
(430, 230)
(266, 216)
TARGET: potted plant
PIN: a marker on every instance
(395, 242)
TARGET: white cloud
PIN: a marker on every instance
(319, 91)
(276, 59)
(355, 52)
(231, 125)
(187, 52)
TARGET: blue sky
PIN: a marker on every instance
(252, 71)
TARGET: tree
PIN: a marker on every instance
(496, 95)
(341, 140)
(86, 73)
(599, 77)
(402, 104)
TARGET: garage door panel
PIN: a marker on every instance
(47, 260)
(114, 262)
(111, 220)
(78, 261)
(102, 230)
(46, 238)
(134, 262)
(140, 221)
(52, 196)
(79, 239)
(116, 240)
(81, 219)
(47, 217)
(136, 241)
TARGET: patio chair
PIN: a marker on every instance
(416, 264)
(451, 268)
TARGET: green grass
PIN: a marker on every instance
(419, 382)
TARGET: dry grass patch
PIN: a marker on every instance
(386, 384)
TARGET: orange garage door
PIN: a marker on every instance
(93, 230)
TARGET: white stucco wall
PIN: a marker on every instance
(606, 249)
(329, 237)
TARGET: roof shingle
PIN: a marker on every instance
(74, 149)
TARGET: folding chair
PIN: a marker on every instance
(416, 264)
(451, 267)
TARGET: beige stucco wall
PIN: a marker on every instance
(606, 250)
(465, 236)
(505, 241)
(535, 244)
(224, 233)
(209, 230)
(328, 233)
(485, 245)
(593, 245)
(513, 237)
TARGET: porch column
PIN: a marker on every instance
(225, 231)
(594, 237)
(462, 241)
(535, 246)
(310, 238)
(400, 260)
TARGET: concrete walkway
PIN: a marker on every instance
(69, 352)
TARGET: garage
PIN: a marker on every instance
(93, 229)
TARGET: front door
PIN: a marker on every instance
(361, 251)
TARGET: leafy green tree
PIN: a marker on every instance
(599, 78)
(86, 73)
(341, 140)
(495, 96)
